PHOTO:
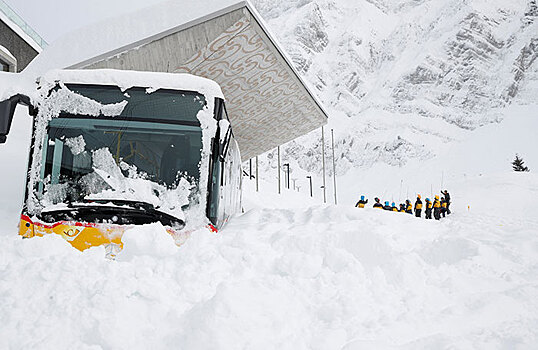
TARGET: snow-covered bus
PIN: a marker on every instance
(112, 149)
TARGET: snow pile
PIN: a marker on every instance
(149, 240)
(314, 278)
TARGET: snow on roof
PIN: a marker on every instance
(12, 84)
(127, 79)
(111, 34)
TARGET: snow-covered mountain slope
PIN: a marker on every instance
(430, 64)
(451, 59)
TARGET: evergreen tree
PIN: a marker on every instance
(517, 164)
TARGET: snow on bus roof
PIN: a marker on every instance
(12, 84)
(111, 34)
(127, 79)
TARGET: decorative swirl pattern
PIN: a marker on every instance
(267, 105)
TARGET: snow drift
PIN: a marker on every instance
(317, 278)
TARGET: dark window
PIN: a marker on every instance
(5, 66)
(163, 105)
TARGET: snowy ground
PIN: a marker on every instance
(311, 278)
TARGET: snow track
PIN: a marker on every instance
(315, 278)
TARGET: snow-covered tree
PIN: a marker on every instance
(518, 164)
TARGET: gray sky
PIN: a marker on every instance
(53, 18)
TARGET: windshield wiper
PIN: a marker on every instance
(113, 215)
(120, 202)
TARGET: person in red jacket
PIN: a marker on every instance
(377, 203)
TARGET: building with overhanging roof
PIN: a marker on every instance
(227, 41)
(19, 43)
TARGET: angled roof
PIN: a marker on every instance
(227, 41)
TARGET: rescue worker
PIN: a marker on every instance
(418, 206)
(408, 207)
(361, 203)
(378, 204)
(402, 208)
(428, 208)
(437, 208)
(447, 199)
(443, 207)
(387, 206)
(394, 207)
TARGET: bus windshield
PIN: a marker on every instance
(152, 147)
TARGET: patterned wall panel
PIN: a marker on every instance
(267, 104)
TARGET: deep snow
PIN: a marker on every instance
(311, 278)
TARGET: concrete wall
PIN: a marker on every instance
(23, 52)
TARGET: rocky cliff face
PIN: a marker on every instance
(406, 77)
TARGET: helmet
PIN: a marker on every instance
(418, 195)
(427, 199)
(436, 197)
(393, 204)
(376, 199)
(362, 198)
(387, 203)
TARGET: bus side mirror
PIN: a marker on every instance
(226, 133)
(7, 110)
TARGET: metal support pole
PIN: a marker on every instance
(323, 163)
(310, 177)
(257, 177)
(288, 176)
(334, 168)
(287, 165)
(250, 168)
(278, 150)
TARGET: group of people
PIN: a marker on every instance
(439, 207)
